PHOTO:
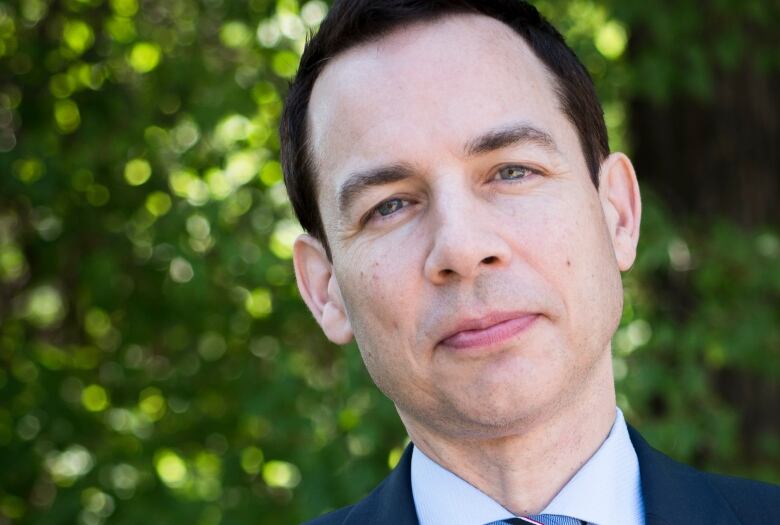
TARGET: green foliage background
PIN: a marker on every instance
(156, 362)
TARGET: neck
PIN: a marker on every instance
(524, 471)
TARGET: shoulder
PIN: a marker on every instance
(753, 501)
(390, 503)
(361, 512)
(337, 517)
(677, 493)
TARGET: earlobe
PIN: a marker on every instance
(320, 290)
(622, 205)
(335, 322)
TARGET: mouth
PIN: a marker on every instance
(488, 331)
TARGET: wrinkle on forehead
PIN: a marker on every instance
(489, 41)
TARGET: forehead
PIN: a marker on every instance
(426, 89)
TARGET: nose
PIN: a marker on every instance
(466, 241)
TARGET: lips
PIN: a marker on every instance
(490, 330)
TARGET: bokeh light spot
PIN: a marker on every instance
(611, 39)
(43, 306)
(285, 63)
(281, 474)
(258, 303)
(619, 368)
(137, 171)
(679, 255)
(268, 33)
(181, 270)
(291, 26)
(94, 398)
(768, 245)
(639, 332)
(252, 460)
(97, 505)
(198, 226)
(34, 10)
(68, 466)
(230, 130)
(171, 468)
(97, 323)
(77, 35)
(235, 34)
(241, 167)
(121, 29)
(12, 263)
(28, 427)
(313, 12)
(271, 173)
(144, 57)
(188, 185)
(152, 403)
(158, 203)
(97, 195)
(29, 170)
(125, 8)
(67, 116)
(212, 346)
(185, 135)
(61, 85)
(124, 479)
(283, 238)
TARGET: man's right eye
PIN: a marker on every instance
(390, 206)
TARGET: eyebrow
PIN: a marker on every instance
(489, 141)
(510, 136)
(360, 181)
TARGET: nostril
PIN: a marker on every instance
(490, 260)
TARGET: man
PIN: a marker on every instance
(468, 226)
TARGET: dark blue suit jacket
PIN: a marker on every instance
(673, 494)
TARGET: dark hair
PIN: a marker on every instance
(353, 22)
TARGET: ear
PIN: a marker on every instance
(320, 290)
(622, 206)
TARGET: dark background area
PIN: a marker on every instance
(156, 362)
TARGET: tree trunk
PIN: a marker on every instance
(719, 157)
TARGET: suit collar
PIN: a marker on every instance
(391, 503)
(605, 490)
(675, 493)
(672, 492)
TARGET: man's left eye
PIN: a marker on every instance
(513, 172)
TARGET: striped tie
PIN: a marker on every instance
(540, 519)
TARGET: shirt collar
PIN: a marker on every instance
(606, 490)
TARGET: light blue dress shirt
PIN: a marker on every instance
(606, 490)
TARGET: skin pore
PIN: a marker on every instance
(473, 259)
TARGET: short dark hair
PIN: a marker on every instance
(353, 22)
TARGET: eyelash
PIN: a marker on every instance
(527, 169)
(374, 212)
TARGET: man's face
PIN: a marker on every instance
(471, 255)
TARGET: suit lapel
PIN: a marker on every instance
(391, 503)
(675, 493)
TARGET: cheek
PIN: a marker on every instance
(549, 237)
(380, 294)
(566, 242)
(382, 305)
(587, 276)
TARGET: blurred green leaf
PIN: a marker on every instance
(156, 358)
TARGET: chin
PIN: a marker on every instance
(481, 416)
